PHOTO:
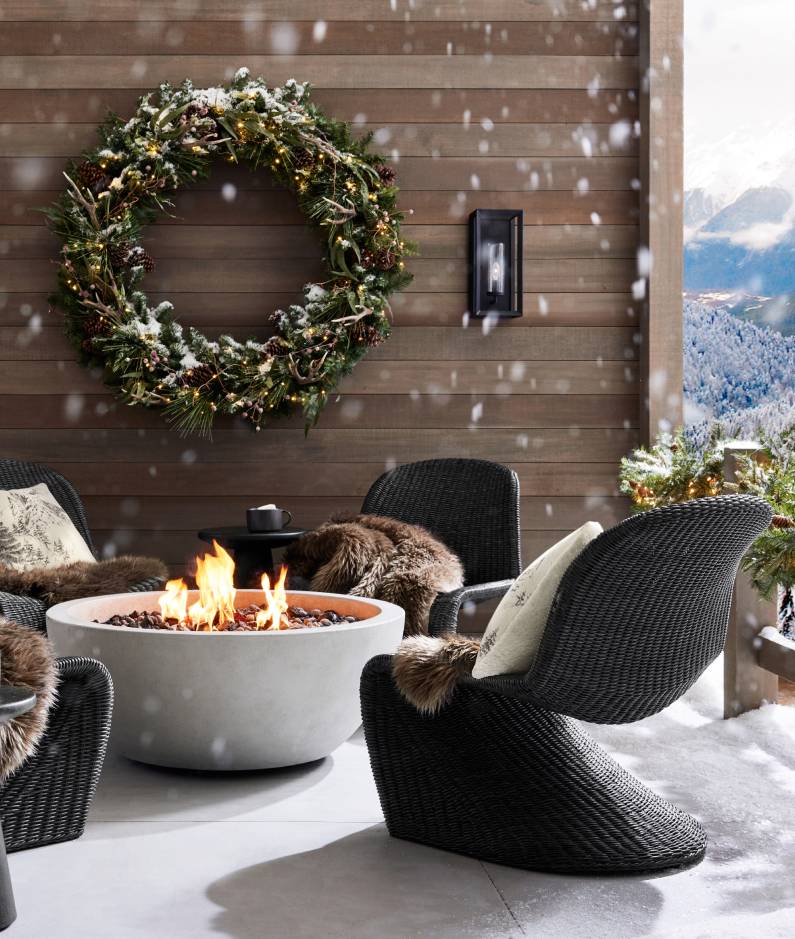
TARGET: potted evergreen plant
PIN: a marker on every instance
(675, 470)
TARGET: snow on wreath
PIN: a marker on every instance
(120, 186)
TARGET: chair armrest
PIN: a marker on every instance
(27, 611)
(446, 606)
(30, 611)
(153, 583)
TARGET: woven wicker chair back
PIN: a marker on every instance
(644, 609)
(472, 506)
(16, 474)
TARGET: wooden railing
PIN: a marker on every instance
(756, 654)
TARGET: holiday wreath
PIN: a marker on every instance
(125, 183)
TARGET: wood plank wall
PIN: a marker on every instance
(480, 103)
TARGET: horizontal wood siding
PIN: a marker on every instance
(479, 104)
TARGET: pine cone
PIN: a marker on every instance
(272, 347)
(90, 173)
(119, 254)
(385, 260)
(137, 257)
(95, 326)
(193, 110)
(782, 521)
(198, 375)
(304, 160)
(369, 336)
(386, 174)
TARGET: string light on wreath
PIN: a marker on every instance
(171, 141)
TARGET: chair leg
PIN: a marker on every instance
(502, 780)
(8, 910)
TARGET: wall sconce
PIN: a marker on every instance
(495, 262)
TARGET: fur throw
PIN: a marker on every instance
(379, 557)
(426, 669)
(27, 662)
(81, 578)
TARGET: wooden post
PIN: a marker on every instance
(745, 685)
(660, 259)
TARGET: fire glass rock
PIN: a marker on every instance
(215, 610)
(245, 620)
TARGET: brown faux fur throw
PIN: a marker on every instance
(81, 578)
(426, 669)
(27, 662)
(379, 557)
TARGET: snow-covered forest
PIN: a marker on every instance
(737, 373)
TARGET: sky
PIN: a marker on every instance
(739, 89)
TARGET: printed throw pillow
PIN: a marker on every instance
(36, 532)
(513, 636)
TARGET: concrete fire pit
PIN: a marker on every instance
(230, 700)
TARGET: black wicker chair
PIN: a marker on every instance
(504, 774)
(472, 506)
(14, 474)
(48, 798)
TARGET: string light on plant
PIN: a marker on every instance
(675, 470)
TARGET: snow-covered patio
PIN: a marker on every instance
(383, 299)
(303, 852)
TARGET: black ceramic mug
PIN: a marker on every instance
(267, 519)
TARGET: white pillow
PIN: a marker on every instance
(36, 532)
(512, 638)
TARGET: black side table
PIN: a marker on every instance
(13, 702)
(253, 551)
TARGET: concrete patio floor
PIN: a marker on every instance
(303, 853)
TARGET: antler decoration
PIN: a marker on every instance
(314, 373)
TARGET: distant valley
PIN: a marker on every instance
(740, 254)
(777, 313)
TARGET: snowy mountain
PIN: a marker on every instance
(754, 207)
(740, 224)
(751, 156)
(699, 207)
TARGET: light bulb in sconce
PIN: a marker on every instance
(496, 268)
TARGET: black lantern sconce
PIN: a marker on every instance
(495, 261)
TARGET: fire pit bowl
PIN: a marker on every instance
(230, 700)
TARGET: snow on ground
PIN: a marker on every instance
(738, 778)
(302, 853)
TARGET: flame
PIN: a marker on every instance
(215, 578)
(174, 602)
(270, 617)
